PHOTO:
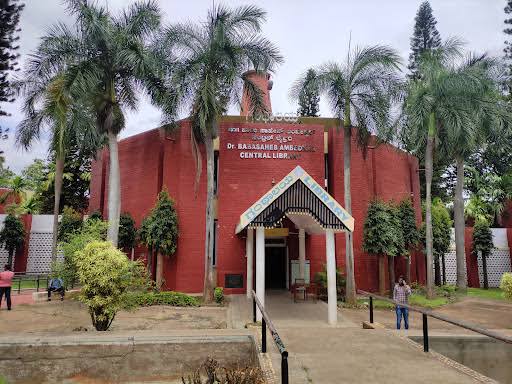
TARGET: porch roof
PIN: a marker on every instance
(299, 197)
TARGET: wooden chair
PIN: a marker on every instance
(299, 287)
(312, 290)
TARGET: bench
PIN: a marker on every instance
(43, 295)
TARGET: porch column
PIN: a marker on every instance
(302, 253)
(260, 268)
(332, 301)
(249, 253)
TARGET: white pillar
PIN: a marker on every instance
(302, 253)
(260, 268)
(249, 253)
(332, 300)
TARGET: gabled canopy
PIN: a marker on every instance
(299, 197)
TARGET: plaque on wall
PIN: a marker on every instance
(234, 281)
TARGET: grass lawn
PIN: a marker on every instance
(491, 293)
(415, 299)
(26, 284)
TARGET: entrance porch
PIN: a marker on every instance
(300, 200)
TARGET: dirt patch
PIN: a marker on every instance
(491, 314)
(72, 316)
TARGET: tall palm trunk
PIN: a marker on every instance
(59, 172)
(350, 297)
(208, 247)
(114, 190)
(428, 205)
(391, 272)
(458, 208)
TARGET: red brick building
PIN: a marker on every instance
(251, 157)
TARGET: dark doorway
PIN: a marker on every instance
(275, 267)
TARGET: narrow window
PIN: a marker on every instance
(214, 256)
(215, 172)
(326, 166)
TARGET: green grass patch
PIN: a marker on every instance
(134, 300)
(28, 284)
(415, 299)
(491, 293)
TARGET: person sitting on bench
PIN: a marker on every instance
(56, 285)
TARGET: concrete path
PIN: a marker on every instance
(346, 353)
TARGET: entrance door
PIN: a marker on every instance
(275, 267)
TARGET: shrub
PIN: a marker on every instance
(219, 295)
(211, 372)
(321, 279)
(127, 232)
(70, 223)
(506, 285)
(134, 300)
(106, 275)
(12, 235)
(91, 230)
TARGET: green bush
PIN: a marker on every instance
(506, 285)
(320, 278)
(91, 230)
(219, 295)
(106, 275)
(134, 300)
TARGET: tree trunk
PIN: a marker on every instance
(208, 247)
(408, 268)
(350, 294)
(443, 264)
(59, 172)
(428, 206)
(382, 276)
(150, 261)
(484, 270)
(153, 266)
(437, 270)
(114, 190)
(391, 272)
(159, 270)
(458, 210)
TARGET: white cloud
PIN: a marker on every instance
(307, 33)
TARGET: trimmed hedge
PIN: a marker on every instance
(171, 298)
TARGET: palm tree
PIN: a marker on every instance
(214, 55)
(48, 106)
(361, 92)
(484, 113)
(429, 107)
(17, 190)
(105, 62)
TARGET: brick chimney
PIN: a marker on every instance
(263, 82)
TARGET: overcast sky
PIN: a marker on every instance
(308, 33)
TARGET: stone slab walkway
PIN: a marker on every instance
(319, 353)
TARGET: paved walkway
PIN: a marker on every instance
(346, 353)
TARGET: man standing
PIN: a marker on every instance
(6, 284)
(401, 295)
(56, 285)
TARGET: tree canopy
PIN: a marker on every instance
(309, 97)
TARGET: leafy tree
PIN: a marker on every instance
(410, 231)
(10, 11)
(106, 276)
(159, 232)
(6, 176)
(309, 97)
(70, 223)
(425, 37)
(214, 57)
(127, 232)
(35, 175)
(12, 235)
(383, 236)
(361, 91)
(506, 285)
(105, 63)
(483, 245)
(441, 229)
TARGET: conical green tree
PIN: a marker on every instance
(483, 245)
(309, 97)
(12, 235)
(425, 36)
